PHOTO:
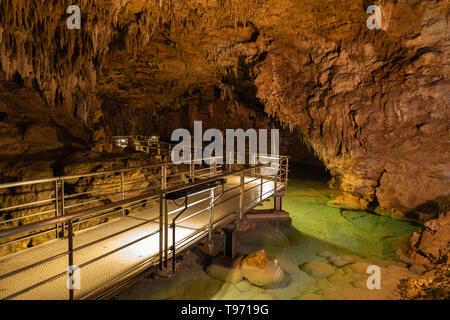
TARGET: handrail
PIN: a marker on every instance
(92, 174)
(120, 203)
(147, 196)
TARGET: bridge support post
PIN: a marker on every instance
(277, 201)
(229, 242)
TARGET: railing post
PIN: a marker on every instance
(276, 199)
(161, 230)
(70, 250)
(261, 190)
(191, 167)
(254, 164)
(241, 197)
(56, 207)
(164, 177)
(62, 207)
(287, 171)
(211, 217)
(275, 186)
(122, 189)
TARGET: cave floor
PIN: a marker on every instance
(348, 241)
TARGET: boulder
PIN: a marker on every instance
(318, 269)
(258, 269)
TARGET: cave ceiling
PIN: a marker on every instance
(372, 104)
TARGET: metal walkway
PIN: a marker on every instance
(106, 255)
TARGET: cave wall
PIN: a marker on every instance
(374, 108)
(373, 105)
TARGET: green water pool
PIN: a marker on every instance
(359, 232)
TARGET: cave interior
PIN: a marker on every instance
(362, 114)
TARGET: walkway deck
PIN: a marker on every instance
(124, 263)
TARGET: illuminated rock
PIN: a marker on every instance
(260, 270)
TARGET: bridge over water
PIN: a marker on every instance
(156, 216)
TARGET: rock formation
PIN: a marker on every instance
(372, 104)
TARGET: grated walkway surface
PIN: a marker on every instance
(109, 270)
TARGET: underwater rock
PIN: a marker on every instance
(263, 296)
(245, 286)
(341, 261)
(349, 202)
(326, 254)
(318, 269)
(287, 265)
(260, 270)
(225, 270)
(359, 267)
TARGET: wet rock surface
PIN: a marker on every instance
(226, 270)
(318, 269)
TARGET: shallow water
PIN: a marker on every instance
(359, 232)
(319, 230)
(317, 234)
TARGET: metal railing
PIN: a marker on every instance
(144, 143)
(110, 193)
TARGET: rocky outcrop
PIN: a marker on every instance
(373, 107)
(427, 254)
(27, 126)
(431, 245)
(80, 192)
